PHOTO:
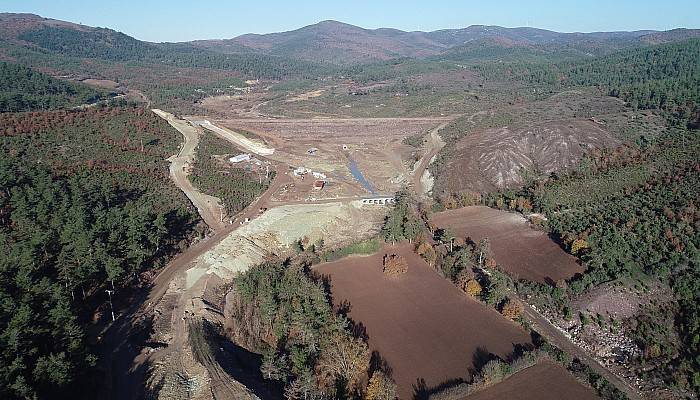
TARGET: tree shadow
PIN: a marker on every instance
(240, 364)
(422, 392)
(378, 363)
(480, 357)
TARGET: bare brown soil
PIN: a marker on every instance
(375, 144)
(543, 381)
(102, 83)
(426, 329)
(522, 251)
(492, 159)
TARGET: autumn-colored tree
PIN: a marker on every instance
(343, 359)
(512, 204)
(381, 387)
(473, 288)
(499, 203)
(450, 203)
(578, 245)
(422, 247)
(524, 205)
(512, 309)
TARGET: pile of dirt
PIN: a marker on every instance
(394, 265)
(494, 159)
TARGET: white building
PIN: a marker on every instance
(240, 158)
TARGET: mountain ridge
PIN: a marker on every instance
(340, 43)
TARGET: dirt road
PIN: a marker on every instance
(209, 207)
(124, 364)
(553, 335)
(236, 138)
(435, 145)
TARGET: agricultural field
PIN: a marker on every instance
(543, 381)
(520, 250)
(440, 339)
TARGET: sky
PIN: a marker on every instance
(183, 20)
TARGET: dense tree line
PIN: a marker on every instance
(403, 222)
(24, 89)
(213, 174)
(86, 205)
(62, 239)
(280, 312)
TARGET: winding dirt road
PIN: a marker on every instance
(124, 363)
(209, 207)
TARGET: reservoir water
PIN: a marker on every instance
(357, 174)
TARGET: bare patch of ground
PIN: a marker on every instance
(425, 328)
(328, 145)
(101, 83)
(618, 302)
(543, 381)
(493, 159)
(520, 250)
(277, 229)
(306, 96)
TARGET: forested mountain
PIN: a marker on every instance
(24, 89)
(665, 77)
(340, 43)
(326, 42)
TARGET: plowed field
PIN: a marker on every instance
(427, 330)
(522, 251)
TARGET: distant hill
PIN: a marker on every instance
(340, 43)
(335, 42)
(305, 49)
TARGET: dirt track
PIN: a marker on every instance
(125, 365)
(420, 323)
(436, 144)
(209, 207)
(552, 334)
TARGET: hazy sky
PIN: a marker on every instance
(180, 20)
